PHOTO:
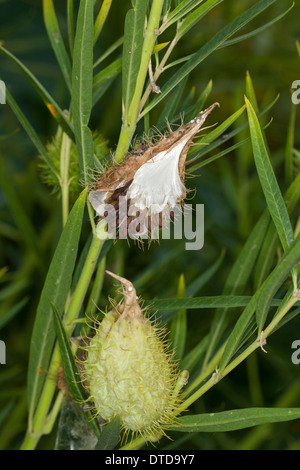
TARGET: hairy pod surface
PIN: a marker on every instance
(128, 370)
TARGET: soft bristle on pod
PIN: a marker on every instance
(148, 182)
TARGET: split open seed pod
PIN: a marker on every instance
(151, 178)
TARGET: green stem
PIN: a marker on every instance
(218, 375)
(100, 20)
(209, 368)
(51, 419)
(41, 420)
(64, 175)
(295, 297)
(134, 444)
(70, 16)
(256, 344)
(131, 117)
(83, 283)
(158, 71)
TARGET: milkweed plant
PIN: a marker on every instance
(137, 334)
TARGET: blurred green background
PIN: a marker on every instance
(30, 214)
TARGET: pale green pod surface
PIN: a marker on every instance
(129, 373)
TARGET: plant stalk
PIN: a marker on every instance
(64, 175)
(41, 422)
(131, 117)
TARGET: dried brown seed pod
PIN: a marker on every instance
(151, 178)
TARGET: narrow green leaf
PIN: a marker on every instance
(257, 30)
(110, 435)
(179, 325)
(97, 288)
(196, 58)
(28, 231)
(201, 280)
(269, 248)
(152, 268)
(243, 266)
(159, 47)
(289, 167)
(4, 413)
(56, 40)
(237, 334)
(51, 104)
(132, 49)
(219, 130)
(234, 419)
(101, 18)
(191, 359)
(70, 24)
(12, 312)
(275, 280)
(82, 83)
(224, 301)
(251, 92)
(268, 181)
(207, 139)
(56, 288)
(265, 295)
(207, 161)
(179, 12)
(71, 372)
(103, 79)
(31, 132)
(167, 6)
(13, 289)
(191, 113)
(171, 105)
(192, 19)
(109, 51)
(238, 278)
(224, 138)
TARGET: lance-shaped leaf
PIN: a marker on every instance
(56, 40)
(234, 419)
(179, 325)
(268, 181)
(214, 43)
(82, 85)
(70, 369)
(132, 49)
(51, 104)
(56, 288)
(261, 301)
(109, 437)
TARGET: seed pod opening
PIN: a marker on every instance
(128, 370)
(150, 179)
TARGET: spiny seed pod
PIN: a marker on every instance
(54, 150)
(128, 371)
(151, 177)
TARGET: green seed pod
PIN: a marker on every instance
(128, 371)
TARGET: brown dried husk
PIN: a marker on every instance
(118, 178)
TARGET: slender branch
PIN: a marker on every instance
(158, 71)
(129, 124)
(218, 375)
(64, 175)
(41, 418)
(256, 344)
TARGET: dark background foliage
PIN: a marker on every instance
(229, 189)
